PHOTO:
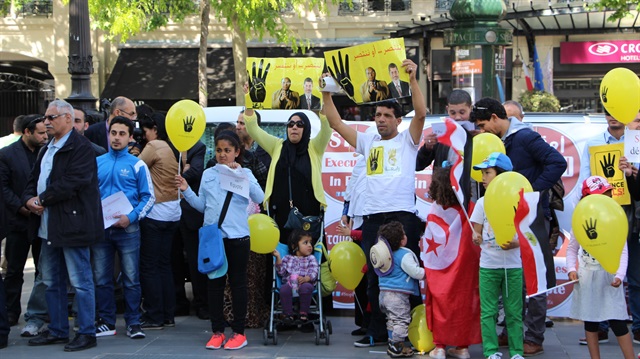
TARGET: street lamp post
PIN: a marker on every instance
(80, 58)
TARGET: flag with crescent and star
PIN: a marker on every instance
(451, 262)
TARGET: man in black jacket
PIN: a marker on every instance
(16, 162)
(63, 191)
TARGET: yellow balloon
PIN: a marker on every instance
(419, 334)
(600, 226)
(500, 202)
(484, 144)
(346, 261)
(620, 94)
(264, 233)
(185, 124)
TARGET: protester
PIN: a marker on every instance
(399, 273)
(452, 297)
(500, 270)
(514, 109)
(81, 124)
(598, 295)
(4, 323)
(63, 191)
(295, 177)
(543, 166)
(119, 171)
(213, 201)
(615, 133)
(16, 163)
(299, 272)
(157, 229)
(390, 183)
(98, 132)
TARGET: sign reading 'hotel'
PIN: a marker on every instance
(600, 52)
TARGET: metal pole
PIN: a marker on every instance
(80, 58)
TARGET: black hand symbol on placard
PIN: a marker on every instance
(188, 123)
(258, 90)
(590, 228)
(373, 161)
(341, 73)
(607, 165)
(604, 94)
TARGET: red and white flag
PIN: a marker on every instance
(527, 78)
(455, 137)
(535, 272)
(451, 263)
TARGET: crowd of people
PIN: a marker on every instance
(58, 170)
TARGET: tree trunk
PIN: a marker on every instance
(203, 94)
(239, 43)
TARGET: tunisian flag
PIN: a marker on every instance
(455, 137)
(451, 262)
(535, 272)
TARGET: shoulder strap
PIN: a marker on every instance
(225, 207)
(290, 195)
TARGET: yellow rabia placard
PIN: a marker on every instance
(284, 83)
(371, 72)
(604, 162)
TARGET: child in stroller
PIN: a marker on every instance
(299, 273)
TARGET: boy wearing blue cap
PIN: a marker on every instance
(500, 271)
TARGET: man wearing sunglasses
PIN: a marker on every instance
(16, 162)
(63, 193)
(98, 132)
(543, 166)
(390, 185)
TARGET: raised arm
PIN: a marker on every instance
(419, 104)
(335, 121)
(265, 140)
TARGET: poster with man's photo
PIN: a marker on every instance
(371, 72)
(284, 83)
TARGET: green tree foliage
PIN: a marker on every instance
(539, 101)
(621, 8)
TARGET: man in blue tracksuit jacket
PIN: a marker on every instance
(119, 171)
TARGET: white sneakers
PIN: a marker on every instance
(462, 353)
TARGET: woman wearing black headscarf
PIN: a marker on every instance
(298, 156)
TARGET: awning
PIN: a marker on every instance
(169, 74)
(532, 19)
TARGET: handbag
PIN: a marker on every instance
(328, 282)
(211, 255)
(296, 219)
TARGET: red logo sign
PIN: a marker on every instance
(603, 49)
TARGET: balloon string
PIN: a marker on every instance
(179, 171)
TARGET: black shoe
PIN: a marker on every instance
(135, 332)
(81, 342)
(4, 341)
(47, 339)
(151, 326)
(369, 341)
(169, 323)
(399, 350)
(203, 313)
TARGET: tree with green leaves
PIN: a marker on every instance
(254, 18)
(621, 8)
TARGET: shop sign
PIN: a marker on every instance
(600, 52)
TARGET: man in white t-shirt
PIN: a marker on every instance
(390, 185)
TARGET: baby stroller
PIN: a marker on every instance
(322, 326)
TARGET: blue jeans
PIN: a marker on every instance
(126, 242)
(159, 298)
(58, 264)
(37, 305)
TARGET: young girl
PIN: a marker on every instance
(452, 302)
(235, 231)
(598, 295)
(299, 269)
(500, 271)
